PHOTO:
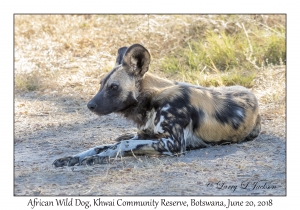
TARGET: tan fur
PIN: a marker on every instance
(125, 82)
(211, 130)
(167, 94)
(153, 83)
(204, 100)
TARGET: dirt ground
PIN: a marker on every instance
(49, 126)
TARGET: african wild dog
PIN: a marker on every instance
(171, 116)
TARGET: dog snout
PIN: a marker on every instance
(92, 105)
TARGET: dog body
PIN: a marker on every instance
(171, 116)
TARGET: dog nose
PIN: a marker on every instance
(92, 106)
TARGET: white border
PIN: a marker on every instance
(8, 201)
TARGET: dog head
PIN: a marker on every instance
(120, 87)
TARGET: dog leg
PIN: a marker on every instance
(164, 146)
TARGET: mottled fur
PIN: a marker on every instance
(171, 116)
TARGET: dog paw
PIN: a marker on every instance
(95, 159)
(66, 161)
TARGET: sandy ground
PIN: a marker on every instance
(60, 126)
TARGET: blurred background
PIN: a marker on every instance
(209, 50)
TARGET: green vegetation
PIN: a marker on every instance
(227, 57)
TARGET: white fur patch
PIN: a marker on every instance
(165, 108)
(130, 145)
(239, 113)
(158, 128)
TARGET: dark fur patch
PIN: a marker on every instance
(115, 146)
(129, 102)
(125, 137)
(137, 112)
(196, 115)
(222, 142)
(121, 53)
(231, 113)
(159, 146)
(172, 148)
(98, 150)
(148, 134)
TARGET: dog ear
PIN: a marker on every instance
(120, 56)
(136, 60)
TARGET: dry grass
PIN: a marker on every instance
(83, 47)
(270, 88)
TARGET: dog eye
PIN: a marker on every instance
(114, 86)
